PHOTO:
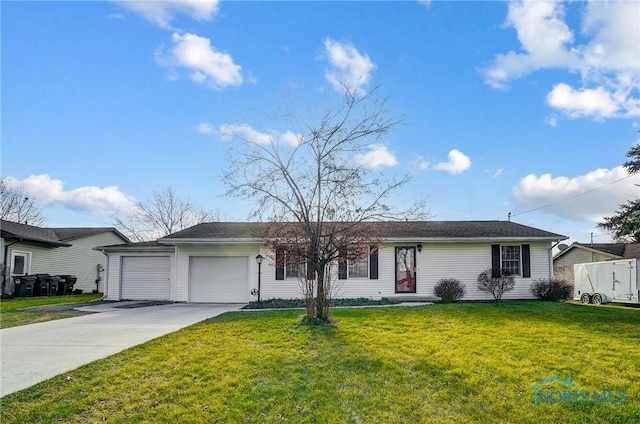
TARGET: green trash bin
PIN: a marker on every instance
(24, 285)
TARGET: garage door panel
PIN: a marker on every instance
(218, 279)
(146, 277)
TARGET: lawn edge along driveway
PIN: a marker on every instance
(36, 352)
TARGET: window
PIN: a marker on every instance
(510, 259)
(20, 263)
(293, 270)
(367, 267)
(359, 269)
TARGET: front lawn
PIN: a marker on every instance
(455, 363)
(29, 310)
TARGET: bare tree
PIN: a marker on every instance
(316, 194)
(165, 212)
(17, 206)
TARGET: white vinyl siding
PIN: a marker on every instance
(218, 279)
(463, 261)
(146, 278)
(112, 277)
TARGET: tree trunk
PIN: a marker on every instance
(322, 298)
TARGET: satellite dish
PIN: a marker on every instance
(563, 247)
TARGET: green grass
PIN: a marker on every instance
(455, 363)
(23, 310)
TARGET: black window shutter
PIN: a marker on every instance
(342, 266)
(526, 261)
(279, 263)
(373, 263)
(495, 260)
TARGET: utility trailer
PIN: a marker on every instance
(610, 281)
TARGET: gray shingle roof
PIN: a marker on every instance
(386, 230)
(623, 250)
(16, 231)
(76, 233)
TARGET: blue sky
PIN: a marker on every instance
(508, 107)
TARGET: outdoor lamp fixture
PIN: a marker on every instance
(419, 246)
(259, 260)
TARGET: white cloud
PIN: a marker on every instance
(378, 155)
(245, 132)
(207, 65)
(534, 191)
(420, 163)
(162, 12)
(458, 162)
(206, 129)
(608, 62)
(96, 200)
(584, 102)
(350, 70)
(425, 3)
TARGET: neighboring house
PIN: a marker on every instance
(216, 262)
(28, 249)
(579, 253)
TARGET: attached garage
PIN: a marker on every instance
(219, 279)
(145, 278)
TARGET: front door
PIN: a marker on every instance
(405, 269)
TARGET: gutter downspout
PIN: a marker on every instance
(551, 259)
(175, 275)
(106, 276)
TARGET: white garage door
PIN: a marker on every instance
(146, 278)
(219, 279)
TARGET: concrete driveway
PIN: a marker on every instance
(37, 352)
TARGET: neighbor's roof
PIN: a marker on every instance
(76, 233)
(618, 250)
(30, 233)
(389, 230)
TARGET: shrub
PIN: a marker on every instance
(496, 285)
(553, 290)
(449, 290)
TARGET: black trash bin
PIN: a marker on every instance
(53, 285)
(65, 285)
(24, 285)
(41, 286)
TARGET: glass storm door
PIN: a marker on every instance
(405, 269)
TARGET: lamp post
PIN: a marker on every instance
(259, 259)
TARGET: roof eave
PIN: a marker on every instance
(36, 240)
(210, 240)
(134, 249)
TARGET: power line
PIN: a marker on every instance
(572, 197)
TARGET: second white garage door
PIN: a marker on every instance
(218, 279)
